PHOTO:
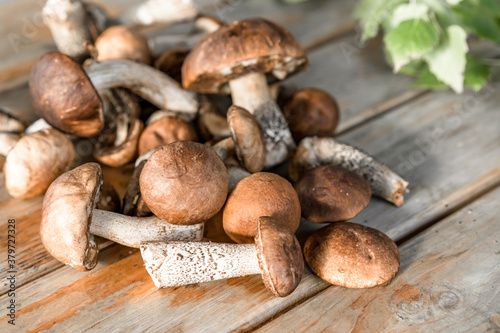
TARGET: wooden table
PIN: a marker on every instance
(446, 145)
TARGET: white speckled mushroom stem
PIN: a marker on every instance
(67, 21)
(131, 231)
(146, 82)
(313, 152)
(175, 264)
(251, 92)
(157, 11)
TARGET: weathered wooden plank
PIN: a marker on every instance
(449, 282)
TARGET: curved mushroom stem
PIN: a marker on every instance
(314, 151)
(182, 263)
(131, 231)
(146, 82)
(251, 92)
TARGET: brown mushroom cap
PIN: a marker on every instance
(352, 255)
(67, 214)
(184, 182)
(35, 161)
(63, 95)
(311, 112)
(260, 194)
(170, 62)
(331, 194)
(164, 131)
(121, 42)
(280, 256)
(109, 199)
(242, 47)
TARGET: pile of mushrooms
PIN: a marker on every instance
(199, 155)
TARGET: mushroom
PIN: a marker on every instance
(276, 255)
(236, 59)
(70, 221)
(260, 194)
(170, 62)
(37, 125)
(315, 151)
(133, 204)
(108, 198)
(35, 161)
(211, 124)
(311, 112)
(352, 255)
(184, 182)
(121, 42)
(330, 194)
(11, 130)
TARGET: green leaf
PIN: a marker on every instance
(410, 40)
(477, 73)
(482, 17)
(427, 80)
(372, 13)
(447, 61)
(410, 11)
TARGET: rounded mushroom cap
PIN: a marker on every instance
(331, 194)
(63, 95)
(35, 161)
(248, 139)
(121, 42)
(352, 255)
(311, 112)
(251, 45)
(260, 194)
(164, 131)
(280, 256)
(184, 182)
(67, 214)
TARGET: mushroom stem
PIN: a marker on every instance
(146, 82)
(182, 263)
(131, 231)
(251, 92)
(314, 151)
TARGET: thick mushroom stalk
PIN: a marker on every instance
(314, 151)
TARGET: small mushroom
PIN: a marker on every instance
(275, 254)
(314, 151)
(260, 194)
(121, 42)
(69, 221)
(352, 255)
(184, 182)
(330, 194)
(236, 59)
(311, 112)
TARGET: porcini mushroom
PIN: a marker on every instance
(352, 255)
(314, 151)
(121, 42)
(330, 194)
(260, 194)
(275, 254)
(69, 221)
(236, 59)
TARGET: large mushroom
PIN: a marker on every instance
(236, 59)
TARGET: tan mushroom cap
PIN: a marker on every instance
(280, 256)
(251, 45)
(184, 183)
(67, 214)
(311, 112)
(121, 42)
(260, 194)
(352, 255)
(63, 95)
(164, 131)
(332, 194)
(248, 139)
(35, 161)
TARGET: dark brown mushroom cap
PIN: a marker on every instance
(164, 131)
(260, 194)
(331, 194)
(184, 182)
(248, 139)
(251, 45)
(63, 95)
(67, 214)
(352, 255)
(280, 256)
(311, 112)
(170, 62)
(121, 42)
(109, 199)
